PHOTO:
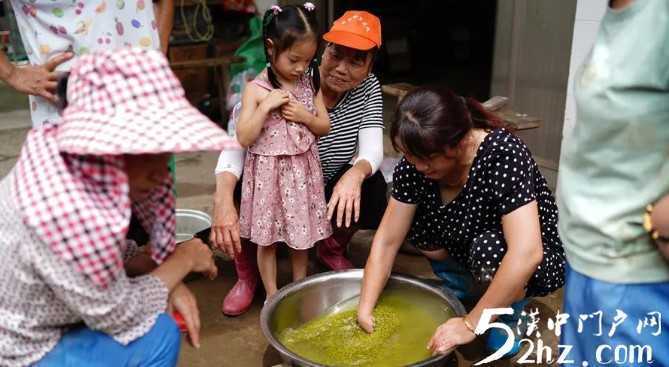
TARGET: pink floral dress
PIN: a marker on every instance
(283, 197)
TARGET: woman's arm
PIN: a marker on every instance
(370, 131)
(254, 112)
(127, 307)
(37, 80)
(370, 149)
(189, 256)
(660, 219)
(387, 241)
(231, 161)
(164, 14)
(318, 123)
(522, 233)
(345, 198)
(225, 228)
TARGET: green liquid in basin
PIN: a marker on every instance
(402, 330)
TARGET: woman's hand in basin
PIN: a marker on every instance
(366, 322)
(449, 336)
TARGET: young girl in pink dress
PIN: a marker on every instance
(282, 115)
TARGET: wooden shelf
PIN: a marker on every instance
(208, 62)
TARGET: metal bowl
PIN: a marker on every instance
(190, 222)
(323, 293)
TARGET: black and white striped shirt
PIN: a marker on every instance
(360, 108)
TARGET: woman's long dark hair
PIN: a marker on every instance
(429, 121)
(291, 24)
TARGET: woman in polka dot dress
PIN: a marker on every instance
(469, 195)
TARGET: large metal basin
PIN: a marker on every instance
(303, 301)
(189, 222)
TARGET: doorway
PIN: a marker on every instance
(434, 43)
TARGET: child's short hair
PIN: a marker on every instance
(286, 25)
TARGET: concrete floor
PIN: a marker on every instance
(238, 341)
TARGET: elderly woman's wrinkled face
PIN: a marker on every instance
(145, 172)
(343, 68)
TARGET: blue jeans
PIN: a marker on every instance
(85, 347)
(454, 277)
(459, 280)
(587, 296)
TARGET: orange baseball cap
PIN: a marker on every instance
(356, 29)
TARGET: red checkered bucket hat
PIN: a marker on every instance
(69, 181)
(130, 101)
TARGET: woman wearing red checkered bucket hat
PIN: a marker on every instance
(73, 290)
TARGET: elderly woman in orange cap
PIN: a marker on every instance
(350, 156)
(73, 290)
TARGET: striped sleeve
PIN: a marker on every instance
(360, 108)
(373, 107)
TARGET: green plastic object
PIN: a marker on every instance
(252, 50)
(172, 166)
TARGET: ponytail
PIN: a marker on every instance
(272, 77)
(480, 117)
(268, 18)
(315, 75)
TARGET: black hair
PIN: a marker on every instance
(292, 23)
(430, 120)
(61, 91)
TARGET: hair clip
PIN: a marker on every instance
(276, 9)
(309, 6)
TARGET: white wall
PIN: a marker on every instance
(263, 5)
(589, 14)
